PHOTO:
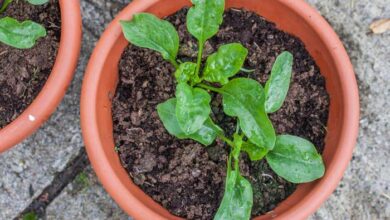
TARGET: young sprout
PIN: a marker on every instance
(187, 115)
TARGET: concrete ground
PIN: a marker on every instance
(49, 168)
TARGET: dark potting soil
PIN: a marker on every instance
(182, 175)
(23, 73)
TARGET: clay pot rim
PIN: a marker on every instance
(310, 203)
(56, 85)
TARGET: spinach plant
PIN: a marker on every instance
(187, 115)
(21, 35)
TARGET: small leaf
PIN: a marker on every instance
(204, 18)
(4, 5)
(380, 26)
(244, 98)
(192, 108)
(237, 200)
(186, 73)
(21, 35)
(38, 2)
(148, 31)
(206, 135)
(295, 159)
(278, 84)
(30, 216)
(254, 152)
(225, 63)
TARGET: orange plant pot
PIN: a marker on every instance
(293, 16)
(55, 87)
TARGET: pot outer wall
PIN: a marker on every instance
(293, 16)
(56, 85)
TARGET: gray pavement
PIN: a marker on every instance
(86, 199)
(364, 192)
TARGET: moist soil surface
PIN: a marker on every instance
(23, 73)
(182, 175)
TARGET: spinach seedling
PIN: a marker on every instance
(21, 35)
(187, 115)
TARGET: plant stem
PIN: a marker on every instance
(231, 144)
(236, 165)
(200, 53)
(238, 126)
(211, 88)
(247, 70)
(227, 140)
(174, 63)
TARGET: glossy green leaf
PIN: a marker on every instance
(204, 18)
(237, 140)
(38, 2)
(206, 135)
(186, 73)
(21, 35)
(147, 31)
(295, 159)
(244, 98)
(237, 201)
(225, 63)
(254, 152)
(4, 5)
(278, 84)
(193, 107)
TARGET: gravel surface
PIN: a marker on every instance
(364, 193)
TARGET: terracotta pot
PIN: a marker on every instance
(293, 16)
(55, 87)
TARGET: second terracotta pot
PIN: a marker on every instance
(55, 87)
(293, 16)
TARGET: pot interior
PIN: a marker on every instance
(286, 19)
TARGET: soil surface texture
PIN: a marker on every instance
(23, 73)
(182, 175)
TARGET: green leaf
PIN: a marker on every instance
(237, 140)
(237, 200)
(278, 84)
(38, 2)
(206, 135)
(295, 159)
(148, 31)
(244, 98)
(4, 5)
(225, 63)
(254, 152)
(30, 216)
(186, 73)
(21, 35)
(192, 108)
(204, 18)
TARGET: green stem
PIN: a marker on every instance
(236, 165)
(229, 164)
(174, 63)
(247, 70)
(200, 53)
(5, 5)
(231, 144)
(211, 88)
(238, 126)
(227, 140)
